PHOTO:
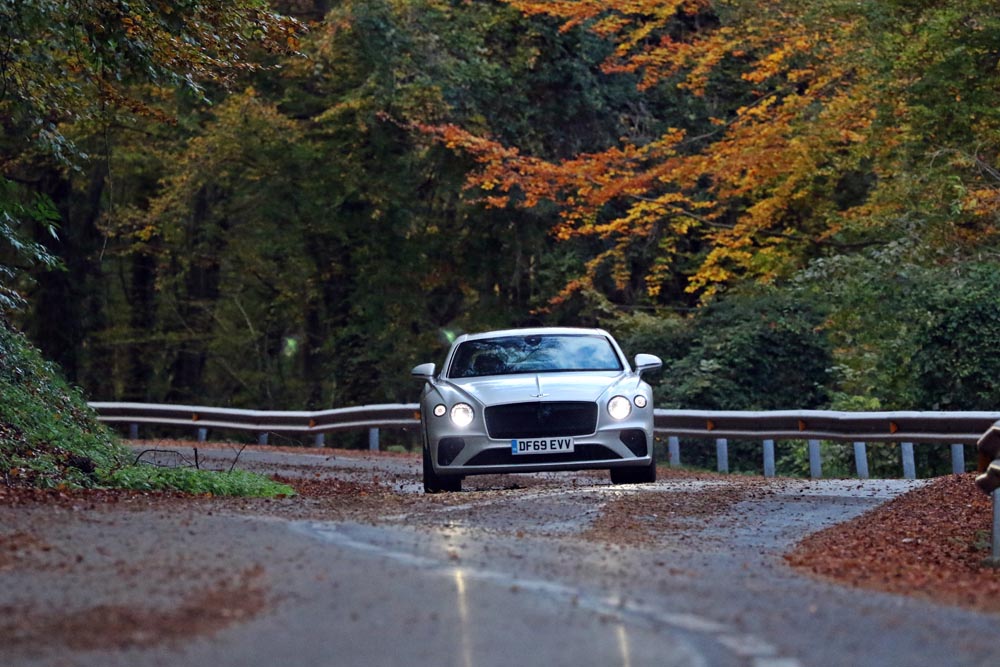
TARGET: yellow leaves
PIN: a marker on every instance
(982, 202)
(850, 136)
(651, 36)
(709, 278)
(147, 232)
(770, 65)
(760, 110)
(132, 25)
(801, 75)
(610, 25)
(572, 287)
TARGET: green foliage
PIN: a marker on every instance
(668, 337)
(201, 482)
(909, 337)
(956, 345)
(757, 351)
(50, 438)
(18, 209)
(48, 435)
(873, 304)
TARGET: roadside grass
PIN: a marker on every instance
(232, 483)
(50, 438)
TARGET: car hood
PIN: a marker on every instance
(498, 390)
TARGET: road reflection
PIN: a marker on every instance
(463, 617)
(623, 646)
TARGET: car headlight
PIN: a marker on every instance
(440, 410)
(619, 407)
(640, 401)
(461, 414)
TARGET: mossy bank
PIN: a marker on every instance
(50, 438)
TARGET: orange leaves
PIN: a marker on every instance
(583, 184)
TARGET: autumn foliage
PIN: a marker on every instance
(746, 188)
(816, 139)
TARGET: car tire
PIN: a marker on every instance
(643, 475)
(435, 483)
(647, 475)
(621, 475)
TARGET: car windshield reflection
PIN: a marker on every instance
(511, 355)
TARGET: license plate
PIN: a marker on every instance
(541, 446)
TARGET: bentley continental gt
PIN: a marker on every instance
(533, 400)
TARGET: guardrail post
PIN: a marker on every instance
(722, 454)
(769, 458)
(909, 467)
(957, 459)
(815, 460)
(133, 431)
(861, 460)
(320, 440)
(262, 438)
(674, 450)
(373, 439)
(202, 434)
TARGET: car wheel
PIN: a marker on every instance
(644, 475)
(435, 483)
(621, 475)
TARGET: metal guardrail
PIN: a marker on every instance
(942, 427)
(955, 428)
(262, 422)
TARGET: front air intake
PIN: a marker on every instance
(635, 440)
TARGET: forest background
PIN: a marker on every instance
(793, 203)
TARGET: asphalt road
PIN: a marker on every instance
(530, 575)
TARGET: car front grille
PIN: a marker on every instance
(541, 419)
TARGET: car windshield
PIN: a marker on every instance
(545, 353)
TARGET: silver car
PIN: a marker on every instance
(530, 400)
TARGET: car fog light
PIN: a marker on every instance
(640, 401)
(461, 414)
(439, 410)
(619, 407)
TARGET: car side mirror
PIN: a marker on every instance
(423, 371)
(647, 362)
